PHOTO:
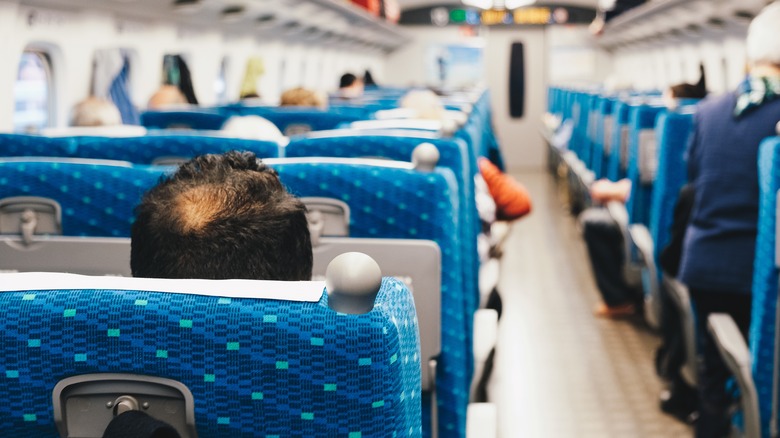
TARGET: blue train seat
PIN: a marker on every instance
(602, 137)
(672, 131)
(96, 198)
(149, 149)
(196, 118)
(234, 357)
(618, 150)
(642, 160)
(756, 368)
(298, 120)
(391, 200)
(399, 145)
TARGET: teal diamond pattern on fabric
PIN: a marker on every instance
(257, 396)
(223, 420)
(141, 302)
(113, 333)
(364, 361)
(233, 346)
(81, 357)
(330, 387)
(33, 343)
(28, 297)
(378, 404)
(319, 342)
(282, 365)
(269, 318)
(355, 435)
(69, 313)
(12, 374)
(30, 417)
(307, 415)
(162, 354)
(210, 378)
(185, 323)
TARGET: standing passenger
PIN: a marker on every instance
(717, 261)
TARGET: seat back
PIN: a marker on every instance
(259, 358)
(297, 120)
(642, 160)
(388, 200)
(97, 198)
(764, 307)
(602, 137)
(196, 118)
(618, 156)
(399, 145)
(147, 149)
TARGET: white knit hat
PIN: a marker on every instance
(763, 39)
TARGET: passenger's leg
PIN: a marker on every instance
(605, 247)
(713, 400)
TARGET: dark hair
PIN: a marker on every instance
(347, 79)
(368, 79)
(691, 91)
(220, 217)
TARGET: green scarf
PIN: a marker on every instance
(755, 91)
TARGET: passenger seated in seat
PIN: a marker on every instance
(719, 250)
(94, 111)
(300, 96)
(221, 217)
(511, 197)
(166, 97)
(603, 237)
(350, 86)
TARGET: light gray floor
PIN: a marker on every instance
(560, 371)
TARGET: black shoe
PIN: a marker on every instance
(680, 404)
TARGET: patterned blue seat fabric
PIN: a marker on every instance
(144, 150)
(200, 119)
(762, 323)
(139, 150)
(400, 203)
(641, 117)
(286, 117)
(255, 367)
(398, 145)
(603, 127)
(615, 170)
(96, 200)
(674, 130)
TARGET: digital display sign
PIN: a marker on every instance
(540, 15)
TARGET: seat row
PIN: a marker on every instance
(654, 150)
(389, 205)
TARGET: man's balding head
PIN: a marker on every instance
(219, 217)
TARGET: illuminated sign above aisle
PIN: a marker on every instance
(538, 15)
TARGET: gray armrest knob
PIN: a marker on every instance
(352, 280)
(425, 157)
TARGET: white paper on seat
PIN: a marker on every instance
(303, 291)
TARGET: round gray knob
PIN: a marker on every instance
(425, 157)
(352, 280)
(125, 403)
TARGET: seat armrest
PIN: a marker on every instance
(644, 244)
(640, 235)
(682, 300)
(485, 333)
(736, 356)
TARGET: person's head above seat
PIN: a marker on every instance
(351, 85)
(300, 96)
(167, 96)
(763, 44)
(94, 111)
(425, 102)
(221, 217)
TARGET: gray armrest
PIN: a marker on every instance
(619, 214)
(640, 235)
(682, 300)
(736, 356)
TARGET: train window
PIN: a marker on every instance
(33, 93)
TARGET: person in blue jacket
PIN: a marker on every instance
(717, 259)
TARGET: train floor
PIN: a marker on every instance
(559, 370)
